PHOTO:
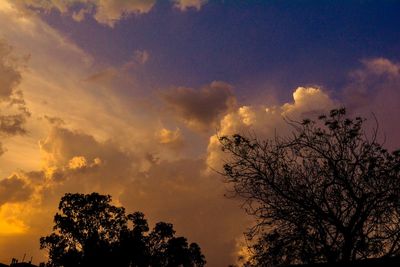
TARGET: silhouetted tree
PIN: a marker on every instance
(89, 231)
(327, 193)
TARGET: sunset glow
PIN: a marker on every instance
(128, 98)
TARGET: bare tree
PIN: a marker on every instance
(327, 193)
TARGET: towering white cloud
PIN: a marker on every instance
(266, 121)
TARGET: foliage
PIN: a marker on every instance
(327, 193)
(90, 231)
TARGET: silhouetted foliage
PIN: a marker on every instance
(327, 193)
(89, 231)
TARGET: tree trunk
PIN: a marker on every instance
(347, 248)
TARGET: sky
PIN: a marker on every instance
(128, 98)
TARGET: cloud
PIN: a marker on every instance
(14, 189)
(266, 121)
(12, 124)
(170, 138)
(177, 191)
(141, 56)
(72, 161)
(106, 12)
(102, 76)
(381, 66)
(200, 109)
(183, 5)
(103, 142)
(13, 110)
(376, 75)
(123, 146)
(306, 99)
(54, 120)
(10, 75)
(121, 76)
(374, 89)
(69, 155)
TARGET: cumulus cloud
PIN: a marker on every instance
(266, 121)
(183, 5)
(308, 99)
(74, 158)
(200, 109)
(106, 12)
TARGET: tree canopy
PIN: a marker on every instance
(90, 231)
(327, 193)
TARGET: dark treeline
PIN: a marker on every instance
(89, 231)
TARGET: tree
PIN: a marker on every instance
(90, 231)
(326, 193)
